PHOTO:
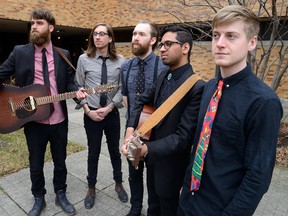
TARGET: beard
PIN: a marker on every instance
(38, 38)
(139, 49)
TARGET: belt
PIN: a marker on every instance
(115, 109)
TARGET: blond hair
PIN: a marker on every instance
(232, 13)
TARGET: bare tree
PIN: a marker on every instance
(274, 29)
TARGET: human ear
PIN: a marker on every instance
(153, 41)
(252, 43)
(51, 28)
(186, 47)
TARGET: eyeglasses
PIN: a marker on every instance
(101, 34)
(167, 44)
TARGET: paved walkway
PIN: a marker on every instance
(16, 198)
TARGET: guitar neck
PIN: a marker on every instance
(55, 98)
(68, 95)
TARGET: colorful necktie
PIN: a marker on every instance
(103, 96)
(140, 80)
(204, 138)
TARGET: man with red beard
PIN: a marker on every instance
(144, 41)
(27, 63)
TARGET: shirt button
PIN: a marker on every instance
(227, 86)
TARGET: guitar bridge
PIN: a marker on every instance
(11, 106)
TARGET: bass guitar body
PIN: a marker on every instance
(19, 106)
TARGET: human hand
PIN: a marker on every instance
(128, 136)
(81, 94)
(104, 111)
(95, 115)
(124, 149)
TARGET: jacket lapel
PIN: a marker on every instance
(31, 49)
(56, 62)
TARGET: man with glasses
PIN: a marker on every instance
(144, 40)
(167, 152)
(100, 64)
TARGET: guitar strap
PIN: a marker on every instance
(64, 57)
(135, 145)
(164, 109)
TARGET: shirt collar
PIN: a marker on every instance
(178, 72)
(147, 58)
(48, 48)
(98, 55)
(235, 78)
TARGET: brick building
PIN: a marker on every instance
(75, 19)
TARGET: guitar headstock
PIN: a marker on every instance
(105, 88)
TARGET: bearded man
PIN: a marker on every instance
(30, 63)
(146, 65)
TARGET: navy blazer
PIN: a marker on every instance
(20, 63)
(171, 140)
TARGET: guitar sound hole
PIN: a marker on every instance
(27, 109)
(29, 103)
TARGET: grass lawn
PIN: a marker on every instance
(14, 152)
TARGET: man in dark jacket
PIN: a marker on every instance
(167, 152)
(28, 63)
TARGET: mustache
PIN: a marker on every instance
(136, 43)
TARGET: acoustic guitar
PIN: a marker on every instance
(135, 143)
(32, 103)
(145, 114)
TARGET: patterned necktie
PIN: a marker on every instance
(204, 138)
(45, 69)
(140, 80)
(103, 96)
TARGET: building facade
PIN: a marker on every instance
(74, 20)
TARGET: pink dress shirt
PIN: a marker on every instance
(57, 116)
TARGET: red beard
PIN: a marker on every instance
(39, 38)
(140, 49)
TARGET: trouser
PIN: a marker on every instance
(94, 131)
(157, 205)
(37, 137)
(136, 186)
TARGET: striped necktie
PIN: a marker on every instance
(204, 138)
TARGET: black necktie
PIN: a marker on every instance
(46, 74)
(45, 69)
(103, 96)
(140, 80)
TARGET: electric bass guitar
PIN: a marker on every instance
(32, 103)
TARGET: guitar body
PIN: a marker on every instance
(13, 117)
(135, 144)
(145, 114)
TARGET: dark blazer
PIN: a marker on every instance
(171, 140)
(20, 63)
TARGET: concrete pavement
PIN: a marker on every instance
(16, 198)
